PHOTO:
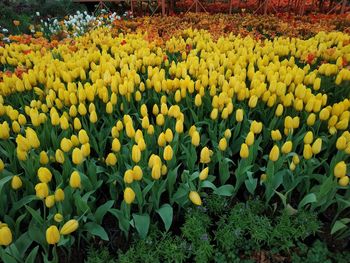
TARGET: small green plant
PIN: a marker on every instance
(100, 255)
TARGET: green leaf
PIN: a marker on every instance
(207, 184)
(35, 214)
(102, 210)
(310, 198)
(142, 223)
(32, 255)
(338, 225)
(6, 258)
(3, 181)
(225, 190)
(166, 213)
(123, 221)
(96, 230)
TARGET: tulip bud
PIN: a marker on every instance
(156, 171)
(311, 119)
(287, 147)
(307, 153)
(69, 227)
(288, 122)
(341, 143)
(59, 156)
(309, 137)
(2, 165)
(111, 159)
(249, 140)
(83, 137)
(263, 177)
(292, 166)
(58, 218)
(52, 235)
(256, 127)
(5, 235)
(85, 149)
(44, 175)
(253, 101)
(198, 100)
(41, 190)
(77, 156)
(59, 195)
(239, 115)
(66, 145)
(227, 134)
(276, 135)
(75, 180)
(179, 126)
(244, 152)
(136, 154)
(279, 110)
(222, 144)
(204, 174)
(296, 159)
(169, 135)
(344, 181)
(205, 155)
(195, 198)
(137, 173)
(168, 153)
(16, 182)
(214, 114)
(274, 153)
(340, 169)
(128, 176)
(317, 146)
(50, 201)
(129, 195)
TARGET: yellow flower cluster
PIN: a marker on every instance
(159, 105)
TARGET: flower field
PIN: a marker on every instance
(135, 123)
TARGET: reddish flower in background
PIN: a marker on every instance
(123, 42)
(310, 58)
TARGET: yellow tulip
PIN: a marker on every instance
(307, 153)
(156, 171)
(69, 227)
(111, 159)
(222, 144)
(136, 154)
(50, 201)
(204, 174)
(44, 175)
(169, 135)
(253, 101)
(93, 117)
(179, 126)
(227, 134)
(244, 152)
(279, 110)
(137, 175)
(287, 147)
(83, 137)
(344, 181)
(129, 176)
(195, 140)
(161, 140)
(52, 235)
(59, 195)
(311, 119)
(58, 218)
(324, 114)
(317, 146)
(195, 198)
(77, 156)
(341, 143)
(75, 180)
(168, 153)
(129, 195)
(2, 165)
(198, 100)
(214, 114)
(340, 169)
(276, 135)
(66, 145)
(41, 190)
(274, 153)
(239, 115)
(309, 137)
(59, 156)
(16, 182)
(205, 155)
(5, 235)
(85, 149)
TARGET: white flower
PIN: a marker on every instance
(37, 13)
(5, 30)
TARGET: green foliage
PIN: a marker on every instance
(318, 252)
(100, 255)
